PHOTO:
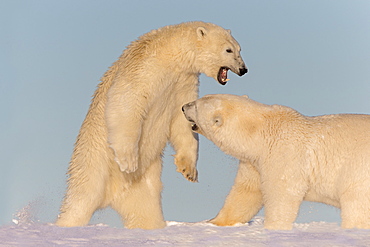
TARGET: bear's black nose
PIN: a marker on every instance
(243, 71)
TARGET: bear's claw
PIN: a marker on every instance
(191, 174)
(193, 177)
(187, 168)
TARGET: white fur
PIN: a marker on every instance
(286, 158)
(135, 111)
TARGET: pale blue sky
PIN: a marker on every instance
(313, 56)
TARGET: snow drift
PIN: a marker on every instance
(182, 234)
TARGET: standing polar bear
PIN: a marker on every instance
(286, 158)
(135, 111)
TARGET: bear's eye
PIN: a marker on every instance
(229, 50)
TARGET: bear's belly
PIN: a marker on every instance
(313, 196)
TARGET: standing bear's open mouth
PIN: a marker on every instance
(222, 75)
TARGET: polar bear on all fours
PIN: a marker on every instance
(286, 158)
(135, 111)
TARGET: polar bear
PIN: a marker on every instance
(286, 158)
(135, 112)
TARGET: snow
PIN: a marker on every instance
(25, 232)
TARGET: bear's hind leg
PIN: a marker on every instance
(79, 206)
(244, 200)
(86, 193)
(78, 214)
(140, 204)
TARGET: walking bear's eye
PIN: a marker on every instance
(229, 50)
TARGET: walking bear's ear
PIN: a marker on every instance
(202, 32)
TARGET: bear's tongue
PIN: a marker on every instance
(222, 75)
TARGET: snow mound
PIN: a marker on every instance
(182, 234)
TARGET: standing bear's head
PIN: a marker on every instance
(217, 52)
(233, 123)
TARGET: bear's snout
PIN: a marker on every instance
(243, 71)
(187, 106)
(189, 111)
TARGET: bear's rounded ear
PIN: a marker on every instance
(202, 32)
(245, 96)
(217, 120)
(229, 31)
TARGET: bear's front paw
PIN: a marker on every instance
(127, 162)
(222, 222)
(187, 169)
